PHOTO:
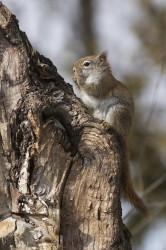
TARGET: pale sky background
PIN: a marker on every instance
(50, 33)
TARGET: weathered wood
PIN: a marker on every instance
(59, 172)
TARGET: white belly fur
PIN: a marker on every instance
(99, 106)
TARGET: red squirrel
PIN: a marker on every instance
(111, 101)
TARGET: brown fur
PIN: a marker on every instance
(97, 81)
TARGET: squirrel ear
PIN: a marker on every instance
(102, 56)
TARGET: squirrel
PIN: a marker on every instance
(112, 102)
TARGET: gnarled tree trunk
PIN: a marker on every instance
(59, 172)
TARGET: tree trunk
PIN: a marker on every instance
(59, 172)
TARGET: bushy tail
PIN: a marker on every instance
(126, 184)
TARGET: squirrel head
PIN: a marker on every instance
(91, 69)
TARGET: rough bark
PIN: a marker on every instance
(59, 172)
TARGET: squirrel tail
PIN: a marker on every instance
(126, 183)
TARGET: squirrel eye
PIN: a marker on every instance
(86, 63)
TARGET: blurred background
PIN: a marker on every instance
(134, 35)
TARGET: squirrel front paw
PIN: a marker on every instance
(106, 125)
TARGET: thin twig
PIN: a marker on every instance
(144, 222)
